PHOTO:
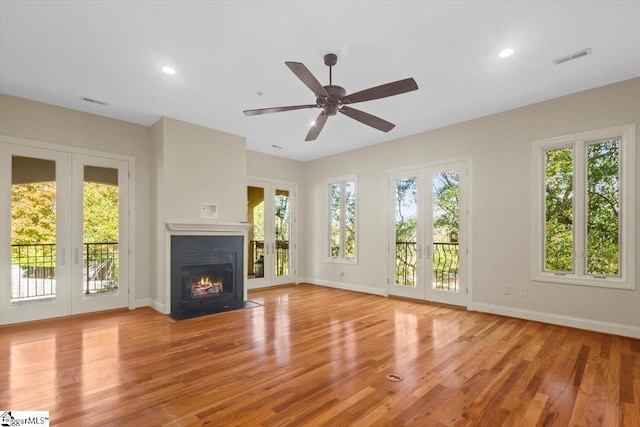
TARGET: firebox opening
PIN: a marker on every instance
(206, 281)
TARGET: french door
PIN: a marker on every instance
(64, 222)
(428, 233)
(271, 213)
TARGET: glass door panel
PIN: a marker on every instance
(446, 231)
(100, 272)
(282, 229)
(34, 243)
(255, 216)
(33, 230)
(406, 228)
(100, 215)
(406, 231)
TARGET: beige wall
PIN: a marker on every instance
(278, 168)
(26, 119)
(203, 165)
(500, 147)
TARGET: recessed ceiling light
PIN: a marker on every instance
(506, 53)
(312, 123)
(276, 146)
(169, 70)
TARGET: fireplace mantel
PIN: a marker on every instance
(208, 226)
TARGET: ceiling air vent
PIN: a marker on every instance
(94, 101)
(572, 56)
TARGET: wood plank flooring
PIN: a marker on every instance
(318, 356)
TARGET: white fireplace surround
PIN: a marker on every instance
(203, 229)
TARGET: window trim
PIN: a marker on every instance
(579, 141)
(327, 246)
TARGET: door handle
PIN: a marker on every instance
(428, 251)
(76, 255)
(63, 256)
(419, 250)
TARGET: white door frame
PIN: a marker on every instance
(81, 303)
(64, 254)
(423, 290)
(270, 186)
(59, 305)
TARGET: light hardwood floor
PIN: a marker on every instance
(319, 356)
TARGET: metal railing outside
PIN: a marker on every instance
(33, 269)
(100, 267)
(446, 265)
(256, 250)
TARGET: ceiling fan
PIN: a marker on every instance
(333, 99)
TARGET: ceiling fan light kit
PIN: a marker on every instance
(334, 99)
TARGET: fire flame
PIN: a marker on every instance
(204, 281)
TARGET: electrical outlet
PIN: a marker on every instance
(524, 292)
(507, 290)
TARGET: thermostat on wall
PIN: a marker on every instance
(209, 211)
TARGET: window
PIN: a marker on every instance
(584, 201)
(341, 201)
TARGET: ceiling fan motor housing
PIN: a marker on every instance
(332, 104)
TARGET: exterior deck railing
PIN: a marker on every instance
(33, 269)
(256, 250)
(446, 265)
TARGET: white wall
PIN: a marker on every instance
(500, 148)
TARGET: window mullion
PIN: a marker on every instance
(342, 219)
(580, 208)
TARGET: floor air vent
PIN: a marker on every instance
(572, 56)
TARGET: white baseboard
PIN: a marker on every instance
(343, 286)
(558, 319)
(158, 306)
(554, 319)
(251, 286)
(142, 302)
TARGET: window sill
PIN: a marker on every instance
(341, 260)
(569, 279)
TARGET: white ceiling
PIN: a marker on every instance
(226, 52)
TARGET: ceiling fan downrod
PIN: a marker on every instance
(330, 59)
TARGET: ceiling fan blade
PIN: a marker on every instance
(382, 91)
(317, 127)
(276, 109)
(367, 119)
(307, 78)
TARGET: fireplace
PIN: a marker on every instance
(206, 275)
